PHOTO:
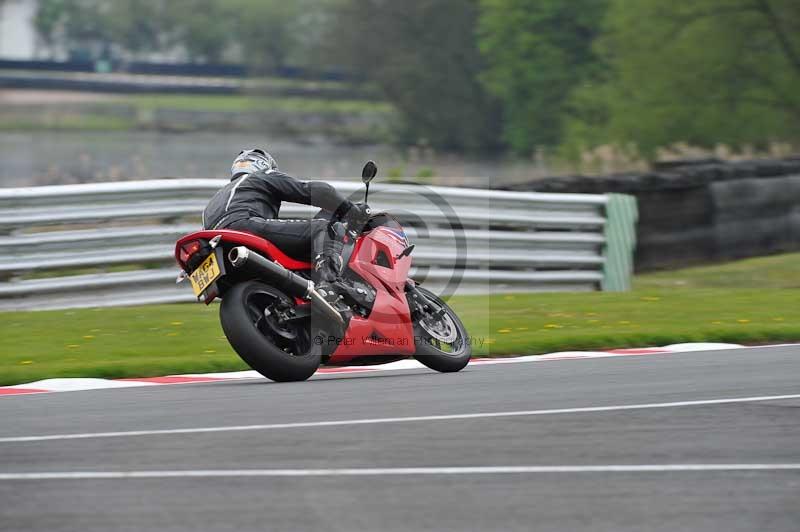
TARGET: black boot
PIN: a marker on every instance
(328, 259)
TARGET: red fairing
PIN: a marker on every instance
(388, 329)
(253, 242)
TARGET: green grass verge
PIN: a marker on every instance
(90, 121)
(120, 113)
(187, 102)
(751, 301)
(777, 271)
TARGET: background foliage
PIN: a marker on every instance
(696, 71)
(423, 56)
(476, 75)
(537, 52)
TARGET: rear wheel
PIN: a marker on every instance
(441, 339)
(257, 320)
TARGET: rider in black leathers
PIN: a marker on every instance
(252, 200)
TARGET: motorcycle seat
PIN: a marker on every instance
(254, 242)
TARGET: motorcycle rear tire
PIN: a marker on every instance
(257, 349)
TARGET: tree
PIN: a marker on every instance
(268, 33)
(204, 28)
(94, 25)
(136, 25)
(78, 23)
(49, 15)
(265, 31)
(697, 71)
(537, 52)
(423, 57)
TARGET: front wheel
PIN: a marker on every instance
(258, 322)
(441, 339)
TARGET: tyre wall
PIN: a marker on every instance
(702, 213)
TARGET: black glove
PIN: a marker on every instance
(357, 217)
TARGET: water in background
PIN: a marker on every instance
(46, 158)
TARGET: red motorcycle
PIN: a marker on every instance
(281, 326)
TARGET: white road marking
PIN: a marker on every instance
(397, 471)
(79, 384)
(378, 421)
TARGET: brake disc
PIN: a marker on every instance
(443, 329)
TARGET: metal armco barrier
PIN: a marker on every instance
(112, 244)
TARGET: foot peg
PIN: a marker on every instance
(321, 303)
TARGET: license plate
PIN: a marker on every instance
(207, 273)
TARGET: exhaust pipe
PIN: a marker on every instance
(286, 280)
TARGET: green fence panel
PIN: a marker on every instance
(622, 214)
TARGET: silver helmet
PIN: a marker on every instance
(253, 160)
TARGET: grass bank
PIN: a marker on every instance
(155, 111)
(54, 119)
(751, 301)
(211, 103)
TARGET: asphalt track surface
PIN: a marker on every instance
(682, 459)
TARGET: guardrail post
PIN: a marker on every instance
(620, 230)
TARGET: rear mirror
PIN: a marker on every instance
(369, 172)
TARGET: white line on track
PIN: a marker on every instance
(378, 421)
(397, 471)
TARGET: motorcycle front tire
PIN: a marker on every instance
(429, 354)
